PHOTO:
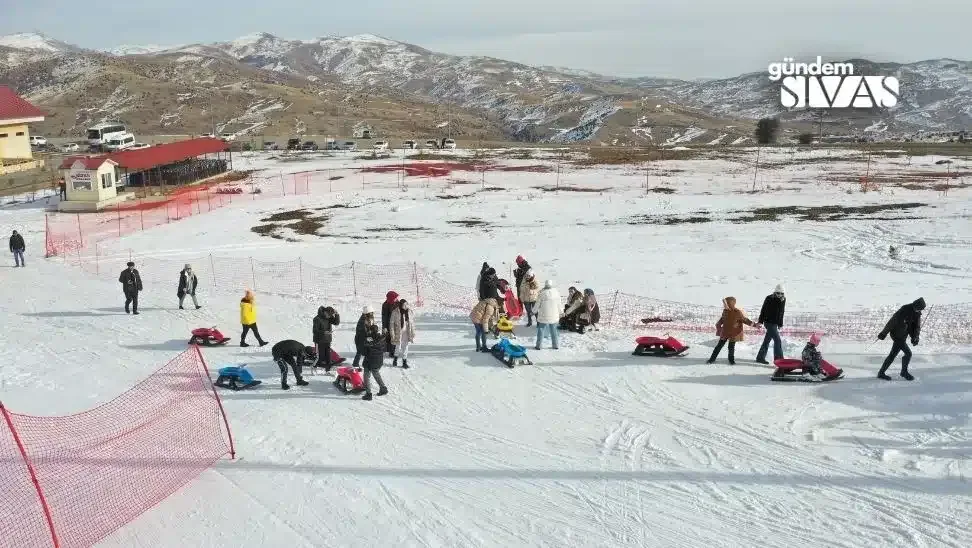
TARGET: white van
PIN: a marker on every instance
(121, 142)
(449, 144)
(381, 146)
(100, 134)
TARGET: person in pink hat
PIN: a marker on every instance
(811, 358)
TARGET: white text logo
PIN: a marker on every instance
(831, 85)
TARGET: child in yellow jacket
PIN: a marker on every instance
(248, 319)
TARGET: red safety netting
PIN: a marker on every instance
(70, 481)
(942, 323)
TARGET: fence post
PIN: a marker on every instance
(418, 293)
(209, 202)
(33, 474)
(80, 232)
(614, 305)
(300, 273)
(212, 264)
(118, 211)
(47, 236)
(354, 281)
(219, 402)
(253, 273)
(141, 216)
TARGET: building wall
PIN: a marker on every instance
(14, 146)
(86, 185)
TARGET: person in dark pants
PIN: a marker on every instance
(906, 322)
(62, 190)
(771, 318)
(323, 329)
(489, 285)
(361, 334)
(187, 286)
(730, 328)
(248, 319)
(374, 358)
(519, 273)
(17, 247)
(294, 354)
(131, 285)
(391, 302)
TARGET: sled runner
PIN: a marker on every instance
(208, 336)
(349, 379)
(510, 354)
(336, 359)
(791, 369)
(656, 346)
(235, 377)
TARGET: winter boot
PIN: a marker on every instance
(262, 343)
(394, 361)
(405, 366)
(181, 308)
(762, 361)
(243, 344)
(907, 376)
(302, 382)
(198, 307)
(883, 376)
(367, 396)
(135, 312)
(382, 391)
(284, 386)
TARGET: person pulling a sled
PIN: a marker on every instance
(248, 319)
(906, 322)
(811, 359)
(483, 315)
(575, 299)
(131, 284)
(730, 329)
(771, 318)
(323, 330)
(529, 293)
(296, 355)
(17, 247)
(402, 332)
(391, 301)
(187, 286)
(374, 358)
(361, 333)
(548, 314)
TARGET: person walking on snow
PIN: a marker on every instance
(811, 358)
(17, 247)
(131, 285)
(296, 355)
(402, 332)
(361, 333)
(730, 329)
(485, 312)
(906, 322)
(519, 273)
(323, 331)
(248, 319)
(187, 286)
(374, 357)
(391, 301)
(548, 314)
(771, 318)
(529, 293)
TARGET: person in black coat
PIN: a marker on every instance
(131, 285)
(17, 247)
(906, 322)
(294, 354)
(361, 334)
(187, 286)
(323, 329)
(771, 318)
(519, 273)
(489, 285)
(374, 357)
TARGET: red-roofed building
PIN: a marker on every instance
(15, 114)
(169, 164)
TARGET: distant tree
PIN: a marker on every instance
(805, 138)
(766, 130)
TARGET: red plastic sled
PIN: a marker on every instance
(208, 336)
(513, 308)
(656, 346)
(349, 379)
(336, 359)
(791, 369)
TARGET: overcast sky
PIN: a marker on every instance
(681, 39)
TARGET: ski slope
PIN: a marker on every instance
(589, 447)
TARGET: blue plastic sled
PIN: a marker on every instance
(510, 354)
(235, 378)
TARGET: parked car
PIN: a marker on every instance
(349, 145)
(293, 144)
(409, 145)
(309, 145)
(137, 146)
(37, 141)
(432, 143)
(70, 147)
(449, 144)
(227, 136)
(381, 146)
(270, 145)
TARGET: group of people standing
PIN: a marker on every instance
(904, 324)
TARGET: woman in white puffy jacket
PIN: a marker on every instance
(548, 314)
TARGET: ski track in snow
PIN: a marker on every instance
(590, 447)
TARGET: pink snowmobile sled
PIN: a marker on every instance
(656, 346)
(791, 369)
(336, 359)
(208, 336)
(349, 379)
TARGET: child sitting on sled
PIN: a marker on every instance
(812, 358)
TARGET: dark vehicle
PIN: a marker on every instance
(293, 144)
(309, 145)
(270, 145)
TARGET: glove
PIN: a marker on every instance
(914, 341)
(881, 337)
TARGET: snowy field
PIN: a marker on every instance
(589, 447)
